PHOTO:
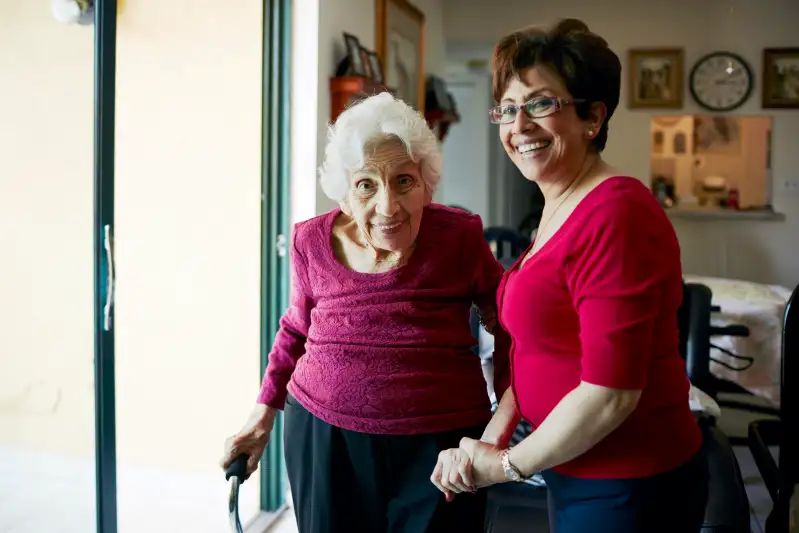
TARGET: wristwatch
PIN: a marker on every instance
(511, 472)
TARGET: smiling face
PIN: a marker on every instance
(387, 197)
(548, 148)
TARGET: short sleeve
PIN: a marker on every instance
(616, 273)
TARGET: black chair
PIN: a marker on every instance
(727, 508)
(506, 242)
(781, 476)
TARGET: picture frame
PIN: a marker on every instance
(401, 48)
(355, 56)
(781, 78)
(655, 79)
(375, 66)
(367, 66)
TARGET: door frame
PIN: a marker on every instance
(105, 40)
(275, 219)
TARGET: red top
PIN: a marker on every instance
(598, 303)
(390, 352)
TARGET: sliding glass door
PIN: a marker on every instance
(144, 216)
(191, 191)
(47, 411)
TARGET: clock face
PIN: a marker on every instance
(721, 81)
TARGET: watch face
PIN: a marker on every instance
(721, 81)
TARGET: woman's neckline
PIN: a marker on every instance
(584, 203)
(330, 253)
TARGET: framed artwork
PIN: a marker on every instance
(655, 78)
(401, 46)
(367, 66)
(375, 66)
(781, 78)
(355, 56)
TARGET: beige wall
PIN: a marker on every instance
(753, 250)
(188, 200)
(46, 324)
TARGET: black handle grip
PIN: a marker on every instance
(735, 330)
(237, 468)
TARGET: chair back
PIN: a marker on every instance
(789, 392)
(506, 242)
(693, 319)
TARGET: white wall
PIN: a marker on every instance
(754, 250)
(335, 17)
(466, 149)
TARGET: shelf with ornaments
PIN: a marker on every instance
(358, 76)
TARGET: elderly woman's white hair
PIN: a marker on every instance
(367, 124)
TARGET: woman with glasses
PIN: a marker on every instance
(591, 308)
(373, 362)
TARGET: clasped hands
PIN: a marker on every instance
(473, 465)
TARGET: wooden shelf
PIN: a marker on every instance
(709, 214)
(346, 90)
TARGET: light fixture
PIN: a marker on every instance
(73, 11)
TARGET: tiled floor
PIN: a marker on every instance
(285, 524)
(43, 493)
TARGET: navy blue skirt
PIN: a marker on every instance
(672, 502)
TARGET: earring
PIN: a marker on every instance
(591, 133)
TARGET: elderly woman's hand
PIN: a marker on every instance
(251, 439)
(485, 460)
(453, 473)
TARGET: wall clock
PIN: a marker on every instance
(721, 81)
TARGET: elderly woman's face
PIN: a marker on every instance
(387, 198)
(544, 148)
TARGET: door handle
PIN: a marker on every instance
(108, 242)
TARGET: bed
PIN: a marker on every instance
(760, 308)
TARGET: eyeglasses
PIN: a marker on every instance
(539, 107)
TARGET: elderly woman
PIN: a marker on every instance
(373, 363)
(591, 308)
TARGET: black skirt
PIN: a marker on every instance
(348, 482)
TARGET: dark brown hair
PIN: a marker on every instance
(590, 70)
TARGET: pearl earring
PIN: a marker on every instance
(590, 133)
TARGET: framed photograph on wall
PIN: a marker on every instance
(355, 56)
(781, 78)
(401, 47)
(655, 78)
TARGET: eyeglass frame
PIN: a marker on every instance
(557, 101)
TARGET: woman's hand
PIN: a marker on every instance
(453, 473)
(486, 462)
(252, 438)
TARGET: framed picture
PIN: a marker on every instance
(655, 78)
(401, 46)
(375, 66)
(781, 78)
(367, 66)
(355, 56)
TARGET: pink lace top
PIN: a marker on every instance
(388, 353)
